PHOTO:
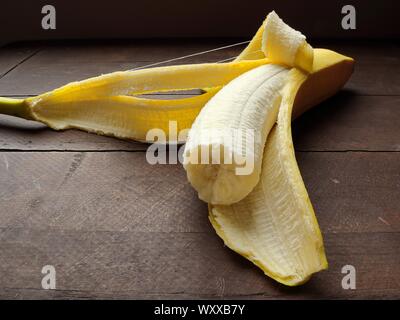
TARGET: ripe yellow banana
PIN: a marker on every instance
(266, 216)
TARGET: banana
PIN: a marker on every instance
(224, 149)
(265, 215)
(275, 226)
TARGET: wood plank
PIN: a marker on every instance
(114, 226)
(350, 122)
(120, 191)
(181, 265)
(340, 123)
(58, 65)
(10, 56)
(353, 191)
(376, 78)
(137, 51)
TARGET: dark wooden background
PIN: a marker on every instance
(77, 19)
(116, 227)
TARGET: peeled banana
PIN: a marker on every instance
(268, 219)
(275, 226)
(263, 214)
(224, 150)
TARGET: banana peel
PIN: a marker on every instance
(275, 225)
(105, 104)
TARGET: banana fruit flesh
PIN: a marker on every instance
(224, 149)
(267, 217)
(279, 42)
(284, 45)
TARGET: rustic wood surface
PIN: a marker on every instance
(116, 227)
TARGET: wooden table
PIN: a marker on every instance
(114, 226)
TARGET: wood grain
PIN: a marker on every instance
(181, 265)
(13, 55)
(120, 191)
(116, 227)
(136, 51)
(350, 122)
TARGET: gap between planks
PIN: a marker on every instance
(20, 62)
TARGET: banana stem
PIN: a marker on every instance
(14, 107)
